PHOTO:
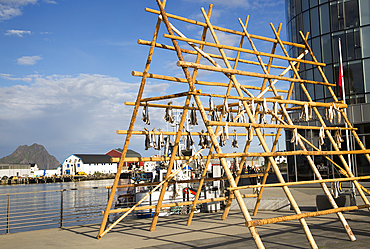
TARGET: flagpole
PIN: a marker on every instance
(345, 109)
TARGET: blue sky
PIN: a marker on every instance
(65, 66)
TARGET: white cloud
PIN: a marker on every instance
(16, 32)
(28, 60)
(70, 114)
(13, 8)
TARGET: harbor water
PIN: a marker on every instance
(50, 205)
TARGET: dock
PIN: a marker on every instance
(207, 230)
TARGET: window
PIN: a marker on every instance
(326, 49)
(364, 12)
(365, 46)
(324, 19)
(335, 46)
(367, 75)
(351, 13)
(336, 15)
(315, 22)
(67, 166)
(316, 48)
(306, 22)
(78, 165)
(354, 78)
(313, 3)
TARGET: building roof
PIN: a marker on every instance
(118, 152)
(94, 158)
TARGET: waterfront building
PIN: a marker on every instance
(95, 163)
(17, 169)
(327, 21)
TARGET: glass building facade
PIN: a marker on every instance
(327, 22)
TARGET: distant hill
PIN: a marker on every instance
(35, 153)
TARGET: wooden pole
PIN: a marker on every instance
(303, 215)
(346, 167)
(245, 73)
(309, 159)
(223, 29)
(198, 82)
(237, 194)
(128, 137)
(187, 51)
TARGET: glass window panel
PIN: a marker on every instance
(298, 6)
(351, 13)
(364, 12)
(294, 30)
(367, 75)
(335, 79)
(299, 27)
(305, 5)
(319, 91)
(350, 45)
(326, 48)
(335, 46)
(354, 78)
(336, 14)
(365, 35)
(323, 1)
(324, 19)
(314, 14)
(316, 48)
(306, 22)
(313, 3)
(357, 41)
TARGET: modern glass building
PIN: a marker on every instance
(327, 21)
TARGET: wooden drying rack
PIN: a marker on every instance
(244, 96)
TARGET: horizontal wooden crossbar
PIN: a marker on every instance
(183, 181)
(347, 179)
(178, 204)
(284, 126)
(164, 46)
(198, 82)
(244, 50)
(260, 222)
(225, 29)
(123, 132)
(251, 74)
(291, 153)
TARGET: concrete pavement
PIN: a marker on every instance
(208, 230)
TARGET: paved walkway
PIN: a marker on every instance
(207, 231)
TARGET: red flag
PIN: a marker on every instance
(340, 80)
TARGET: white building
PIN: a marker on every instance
(89, 164)
(16, 169)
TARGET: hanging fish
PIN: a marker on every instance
(338, 113)
(274, 113)
(168, 113)
(225, 108)
(263, 112)
(250, 134)
(295, 139)
(234, 143)
(226, 131)
(154, 143)
(222, 139)
(338, 138)
(146, 114)
(147, 139)
(330, 114)
(193, 116)
(239, 110)
(321, 137)
(160, 140)
(189, 141)
(253, 108)
(201, 140)
(304, 113)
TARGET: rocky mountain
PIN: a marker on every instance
(35, 153)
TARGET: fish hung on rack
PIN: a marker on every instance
(146, 114)
(193, 116)
(168, 113)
